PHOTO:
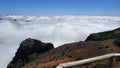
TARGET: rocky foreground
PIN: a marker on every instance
(36, 54)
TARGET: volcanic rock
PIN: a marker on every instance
(28, 51)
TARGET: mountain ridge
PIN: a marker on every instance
(81, 50)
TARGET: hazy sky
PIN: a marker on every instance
(60, 7)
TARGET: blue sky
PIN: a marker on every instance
(60, 7)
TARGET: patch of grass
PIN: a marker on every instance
(20, 63)
(107, 46)
(100, 47)
(100, 66)
(34, 56)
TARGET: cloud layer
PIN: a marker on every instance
(56, 29)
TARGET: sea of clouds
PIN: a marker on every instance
(55, 29)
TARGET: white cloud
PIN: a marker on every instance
(56, 29)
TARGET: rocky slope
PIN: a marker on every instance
(95, 45)
(113, 34)
(74, 51)
(29, 50)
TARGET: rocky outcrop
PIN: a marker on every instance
(113, 34)
(118, 41)
(28, 51)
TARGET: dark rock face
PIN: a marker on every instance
(117, 41)
(93, 37)
(27, 48)
(113, 34)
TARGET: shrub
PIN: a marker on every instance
(107, 46)
(100, 47)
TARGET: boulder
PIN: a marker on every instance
(28, 48)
